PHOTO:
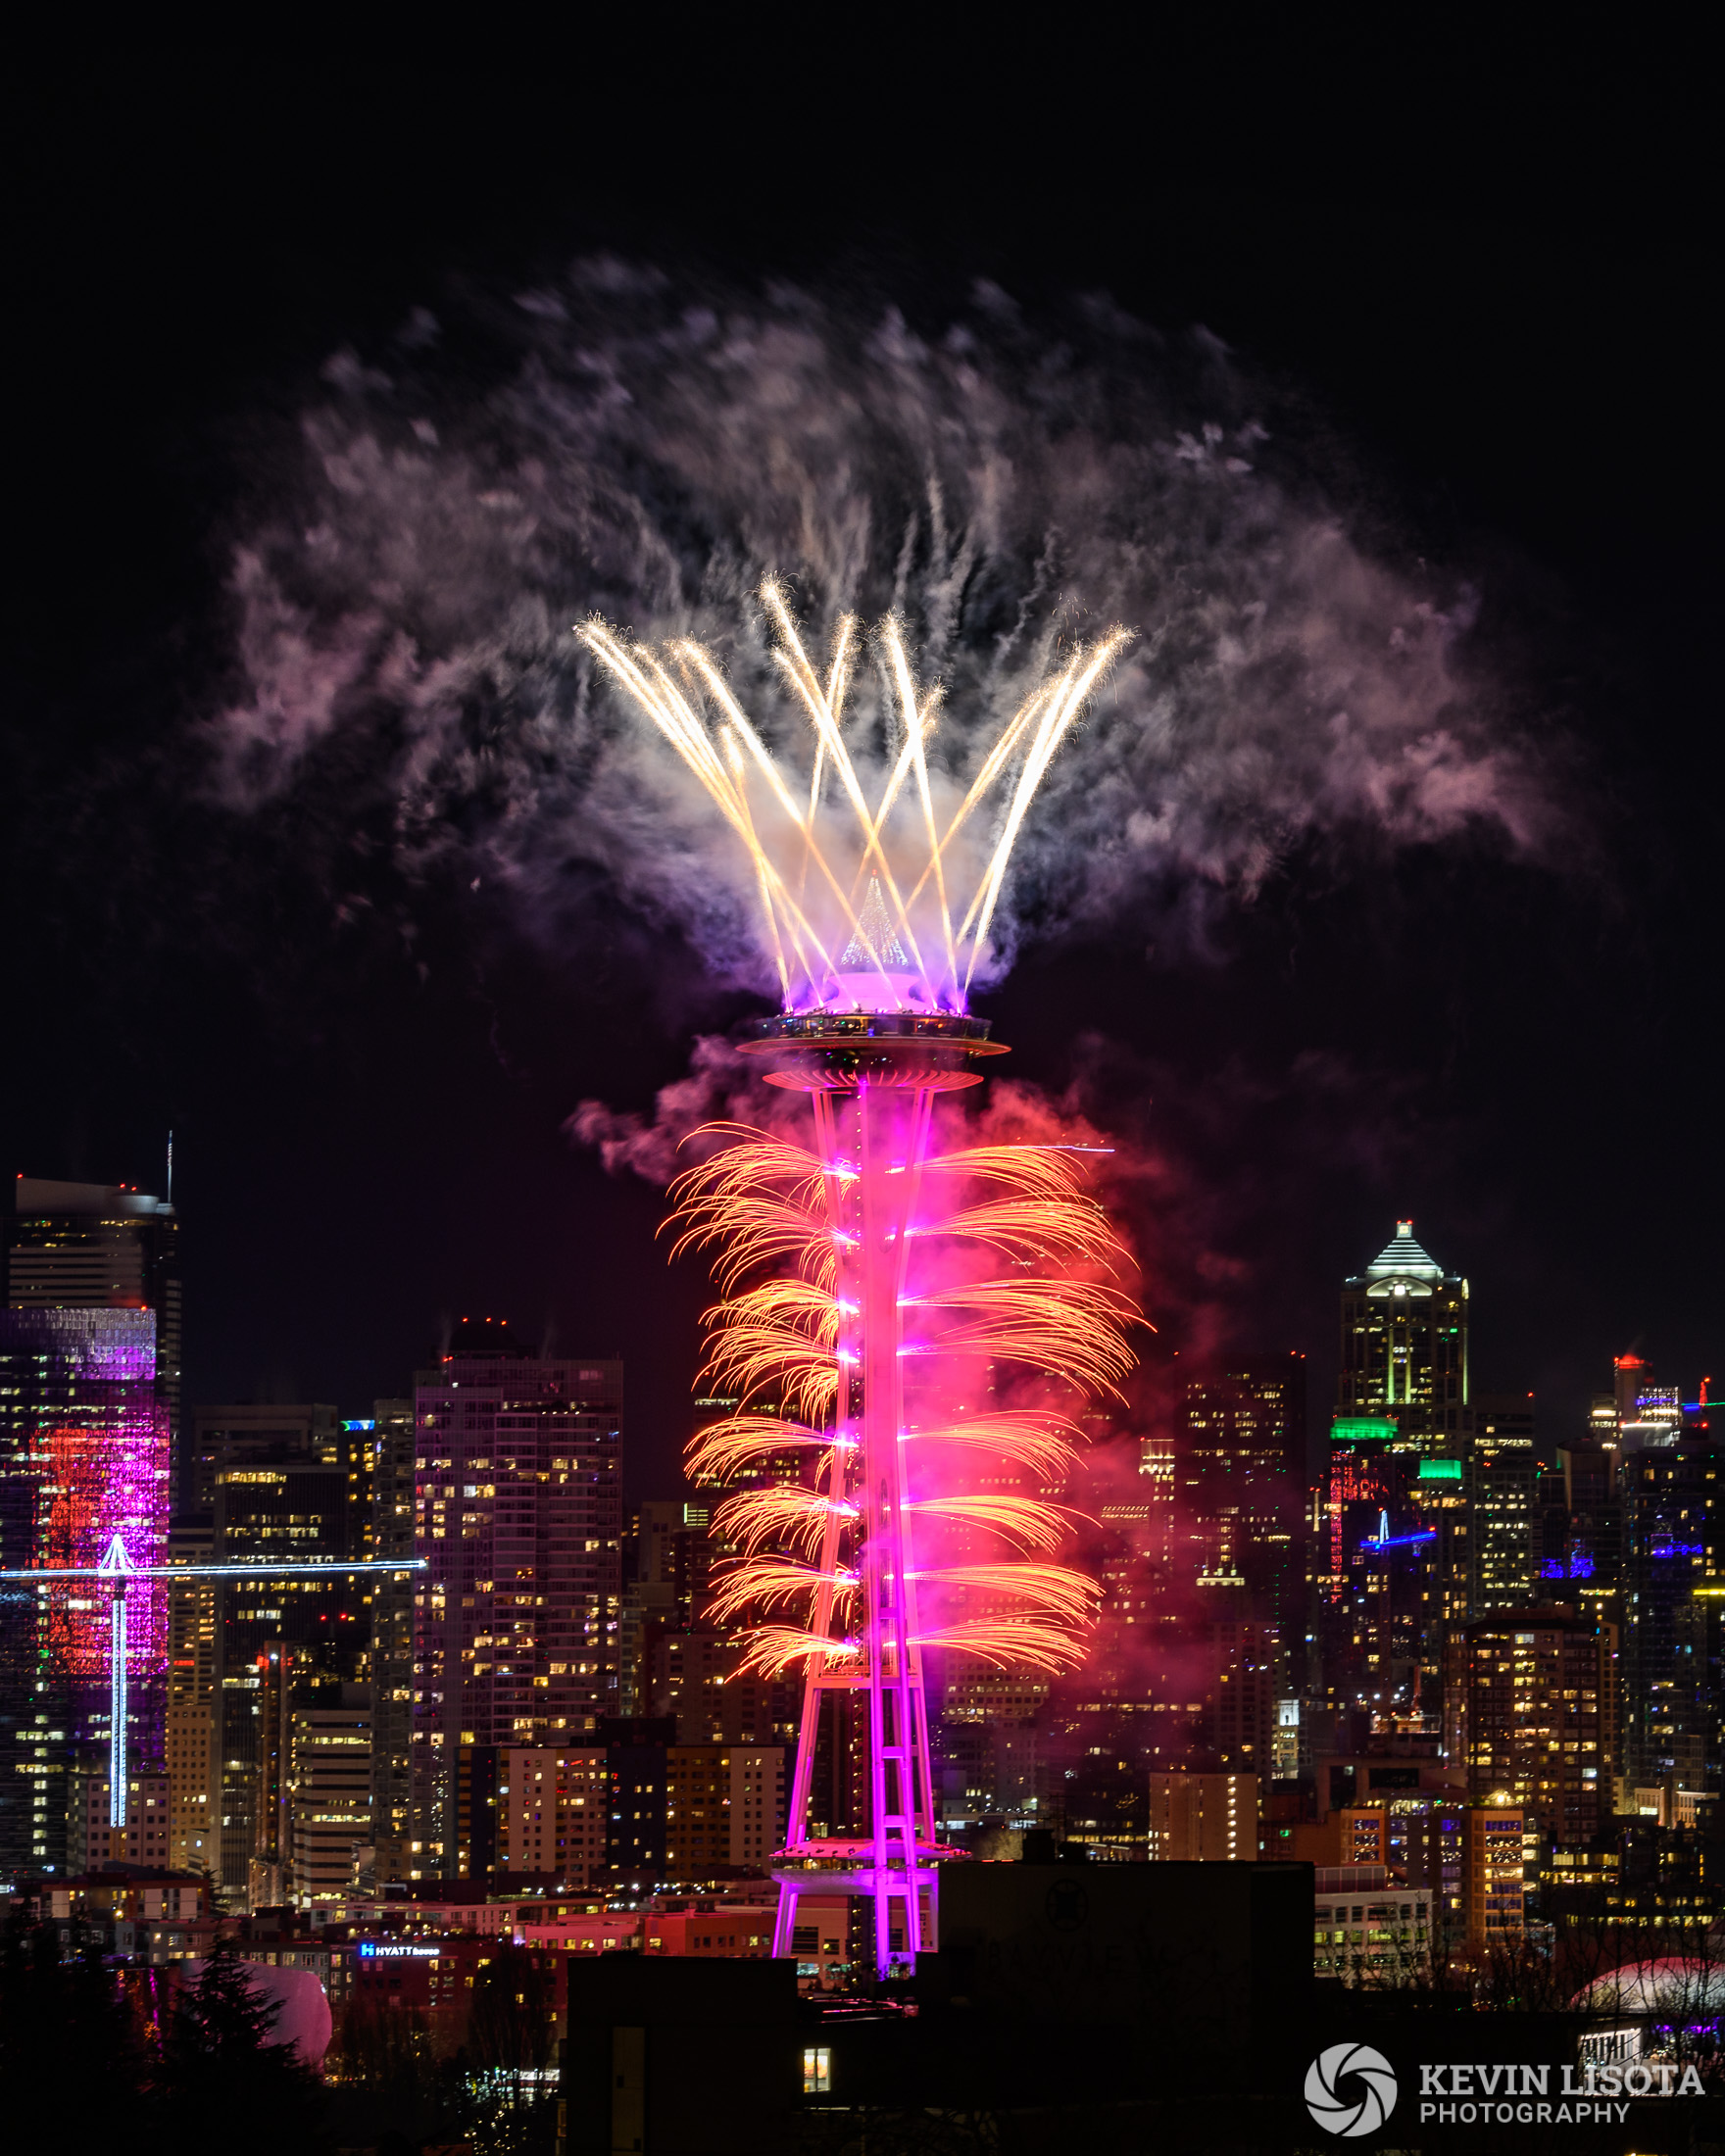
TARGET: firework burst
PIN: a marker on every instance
(883, 1300)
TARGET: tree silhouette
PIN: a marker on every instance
(221, 2075)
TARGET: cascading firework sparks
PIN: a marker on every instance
(899, 1320)
(858, 910)
(782, 1342)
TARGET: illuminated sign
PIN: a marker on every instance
(1360, 1429)
(399, 1953)
(1440, 1471)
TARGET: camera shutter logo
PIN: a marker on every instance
(1348, 2114)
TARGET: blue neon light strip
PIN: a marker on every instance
(1398, 1542)
(257, 1569)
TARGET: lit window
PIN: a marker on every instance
(817, 2071)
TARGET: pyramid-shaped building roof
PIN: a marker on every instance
(1403, 1257)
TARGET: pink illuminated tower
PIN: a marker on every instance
(872, 1079)
(910, 1312)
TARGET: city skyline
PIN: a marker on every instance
(1167, 1372)
(859, 1258)
(1442, 1516)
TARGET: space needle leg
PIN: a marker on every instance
(116, 1711)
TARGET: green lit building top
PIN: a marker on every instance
(1405, 1345)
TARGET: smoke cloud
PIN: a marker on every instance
(721, 1085)
(649, 455)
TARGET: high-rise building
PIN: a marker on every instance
(1590, 1563)
(92, 1843)
(1239, 1481)
(287, 1484)
(648, 1608)
(1389, 1522)
(330, 1793)
(194, 1778)
(725, 1807)
(99, 1247)
(1405, 1340)
(1440, 1517)
(84, 1456)
(1372, 1570)
(1243, 1696)
(668, 1558)
(392, 1442)
(1494, 1873)
(1672, 1526)
(694, 1679)
(1204, 1818)
(555, 1802)
(270, 1780)
(1430, 1516)
(1699, 1750)
(1645, 1414)
(638, 1768)
(1500, 1474)
(1629, 1535)
(89, 1399)
(1539, 1720)
(1433, 1827)
(225, 1440)
(518, 1513)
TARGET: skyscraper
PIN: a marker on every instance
(1239, 1481)
(1374, 1601)
(89, 1385)
(556, 1809)
(99, 1247)
(1499, 1476)
(1405, 1340)
(1647, 1413)
(650, 1599)
(1538, 1719)
(329, 1795)
(518, 1513)
(84, 1455)
(392, 1441)
(1198, 1818)
(1672, 1531)
(194, 1774)
(288, 1483)
(1429, 1511)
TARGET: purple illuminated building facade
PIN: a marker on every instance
(86, 1457)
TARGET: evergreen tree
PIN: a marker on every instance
(223, 2078)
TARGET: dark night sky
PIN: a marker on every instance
(1483, 277)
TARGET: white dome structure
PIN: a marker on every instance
(1676, 1986)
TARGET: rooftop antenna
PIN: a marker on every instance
(170, 1199)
